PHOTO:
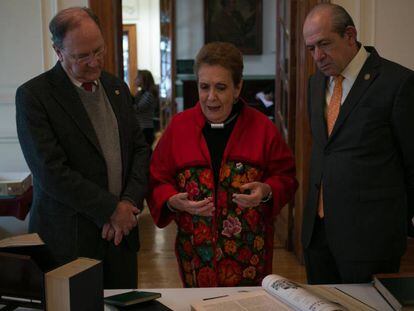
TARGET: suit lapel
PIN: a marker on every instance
(65, 94)
(319, 100)
(366, 77)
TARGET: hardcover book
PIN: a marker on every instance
(396, 288)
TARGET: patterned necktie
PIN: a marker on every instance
(88, 86)
(331, 116)
(334, 104)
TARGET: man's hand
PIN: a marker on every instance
(180, 202)
(257, 190)
(108, 232)
(123, 219)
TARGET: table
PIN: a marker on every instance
(18, 206)
(179, 299)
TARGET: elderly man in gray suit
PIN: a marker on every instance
(88, 157)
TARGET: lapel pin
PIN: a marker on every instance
(367, 76)
(117, 92)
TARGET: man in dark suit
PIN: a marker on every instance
(361, 110)
(86, 152)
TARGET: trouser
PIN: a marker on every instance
(322, 267)
(120, 267)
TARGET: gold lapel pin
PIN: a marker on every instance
(117, 92)
(367, 76)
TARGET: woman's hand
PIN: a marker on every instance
(258, 192)
(180, 202)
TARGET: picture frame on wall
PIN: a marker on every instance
(235, 21)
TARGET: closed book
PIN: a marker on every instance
(131, 298)
(396, 288)
(77, 285)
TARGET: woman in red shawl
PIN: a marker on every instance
(222, 172)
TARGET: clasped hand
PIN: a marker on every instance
(122, 221)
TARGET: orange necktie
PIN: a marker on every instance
(334, 104)
(331, 116)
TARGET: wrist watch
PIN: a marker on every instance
(267, 198)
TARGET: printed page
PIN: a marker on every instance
(251, 301)
(31, 239)
(296, 296)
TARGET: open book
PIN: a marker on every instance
(278, 293)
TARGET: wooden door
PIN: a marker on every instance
(294, 65)
(285, 97)
(109, 13)
(130, 58)
(167, 45)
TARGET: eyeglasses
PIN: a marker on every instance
(83, 59)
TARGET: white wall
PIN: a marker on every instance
(145, 14)
(190, 35)
(25, 52)
(387, 25)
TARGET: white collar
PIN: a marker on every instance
(76, 82)
(351, 71)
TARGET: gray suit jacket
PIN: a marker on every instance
(367, 164)
(71, 201)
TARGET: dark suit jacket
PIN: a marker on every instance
(71, 201)
(367, 164)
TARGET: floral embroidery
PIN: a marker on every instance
(238, 181)
(225, 172)
(181, 180)
(258, 243)
(244, 254)
(249, 273)
(252, 217)
(206, 178)
(254, 260)
(192, 190)
(185, 223)
(230, 247)
(232, 226)
(202, 233)
(227, 249)
(230, 273)
(206, 277)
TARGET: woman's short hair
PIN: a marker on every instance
(68, 19)
(223, 54)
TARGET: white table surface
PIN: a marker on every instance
(179, 299)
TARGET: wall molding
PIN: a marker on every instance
(9, 140)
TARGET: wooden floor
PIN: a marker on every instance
(157, 266)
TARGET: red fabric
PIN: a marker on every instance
(254, 141)
(18, 207)
(88, 86)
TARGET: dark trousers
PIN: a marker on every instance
(322, 267)
(120, 267)
(149, 136)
